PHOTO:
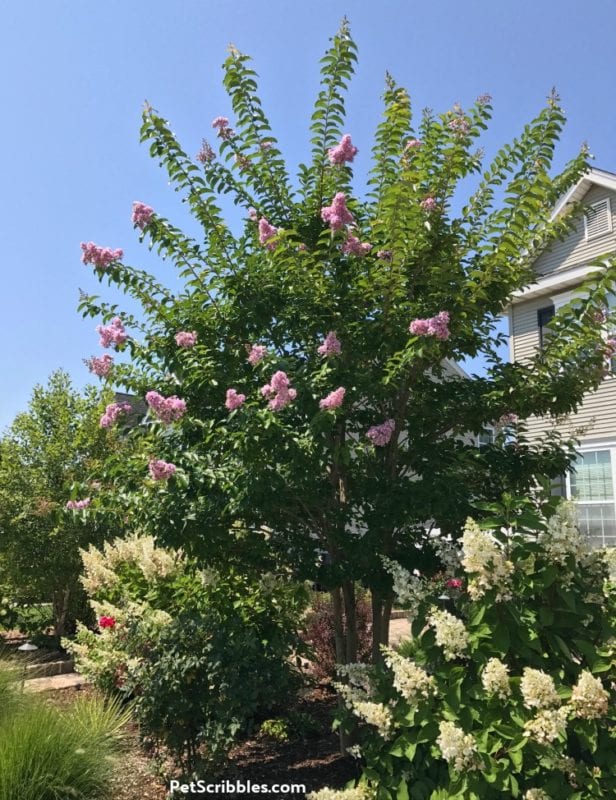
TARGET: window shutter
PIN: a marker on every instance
(598, 219)
(544, 315)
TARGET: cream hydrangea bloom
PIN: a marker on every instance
(484, 560)
(563, 538)
(98, 574)
(589, 699)
(457, 748)
(451, 634)
(154, 562)
(495, 678)
(410, 590)
(375, 714)
(410, 680)
(538, 689)
(357, 675)
(536, 794)
(351, 695)
(548, 725)
(359, 686)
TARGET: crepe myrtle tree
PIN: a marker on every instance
(301, 407)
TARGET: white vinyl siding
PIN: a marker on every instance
(596, 416)
(576, 249)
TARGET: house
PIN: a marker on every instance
(560, 270)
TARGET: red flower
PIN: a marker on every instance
(454, 583)
(106, 622)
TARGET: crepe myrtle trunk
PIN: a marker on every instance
(60, 603)
(345, 637)
(381, 616)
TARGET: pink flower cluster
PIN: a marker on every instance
(343, 151)
(455, 583)
(106, 622)
(337, 215)
(507, 420)
(267, 233)
(428, 204)
(166, 409)
(484, 99)
(221, 124)
(266, 145)
(278, 391)
(112, 412)
(257, 353)
(331, 345)
(437, 326)
(186, 338)
(353, 247)
(100, 366)
(385, 255)
(380, 435)
(242, 161)
(141, 215)
(600, 316)
(234, 399)
(78, 505)
(460, 126)
(206, 153)
(610, 348)
(333, 400)
(161, 470)
(252, 214)
(112, 334)
(100, 257)
(412, 144)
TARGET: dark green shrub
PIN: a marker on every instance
(205, 655)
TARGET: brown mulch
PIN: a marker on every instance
(314, 761)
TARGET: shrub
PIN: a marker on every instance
(294, 725)
(277, 729)
(203, 654)
(319, 633)
(9, 609)
(48, 753)
(505, 690)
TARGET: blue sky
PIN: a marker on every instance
(74, 76)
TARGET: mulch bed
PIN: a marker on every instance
(314, 761)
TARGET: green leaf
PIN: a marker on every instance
(402, 792)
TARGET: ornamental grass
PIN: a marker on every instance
(51, 753)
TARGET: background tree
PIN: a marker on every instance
(47, 450)
(303, 406)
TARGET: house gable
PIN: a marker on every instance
(577, 248)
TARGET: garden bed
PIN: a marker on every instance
(314, 761)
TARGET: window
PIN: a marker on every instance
(485, 438)
(598, 219)
(544, 315)
(592, 487)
